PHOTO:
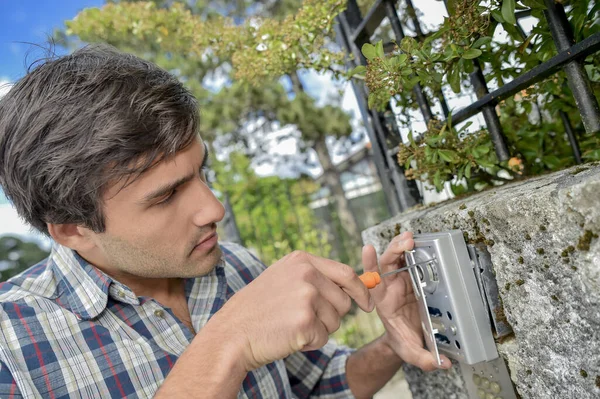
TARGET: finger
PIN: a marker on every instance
(328, 315)
(334, 295)
(345, 277)
(390, 259)
(426, 360)
(369, 259)
(318, 337)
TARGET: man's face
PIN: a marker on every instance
(163, 225)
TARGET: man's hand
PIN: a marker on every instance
(292, 306)
(397, 306)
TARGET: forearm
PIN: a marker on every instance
(371, 367)
(209, 368)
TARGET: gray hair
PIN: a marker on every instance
(76, 124)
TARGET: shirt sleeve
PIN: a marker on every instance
(8, 385)
(320, 373)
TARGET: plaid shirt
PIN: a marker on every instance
(69, 330)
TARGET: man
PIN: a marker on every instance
(99, 151)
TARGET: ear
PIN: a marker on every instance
(72, 236)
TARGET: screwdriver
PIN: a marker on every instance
(372, 279)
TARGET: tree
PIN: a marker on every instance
(196, 44)
(17, 255)
(272, 214)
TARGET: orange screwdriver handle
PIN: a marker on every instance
(370, 279)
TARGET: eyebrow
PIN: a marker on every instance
(168, 187)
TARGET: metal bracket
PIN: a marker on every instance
(488, 287)
(458, 301)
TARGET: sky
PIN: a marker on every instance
(31, 21)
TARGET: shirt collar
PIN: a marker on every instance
(85, 289)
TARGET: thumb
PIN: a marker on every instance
(369, 259)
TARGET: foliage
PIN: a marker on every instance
(530, 119)
(267, 48)
(17, 255)
(257, 49)
(272, 214)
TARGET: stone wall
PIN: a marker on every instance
(542, 234)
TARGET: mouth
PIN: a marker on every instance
(206, 243)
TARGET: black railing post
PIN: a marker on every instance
(420, 35)
(489, 113)
(400, 192)
(571, 136)
(576, 75)
(563, 115)
(390, 11)
(377, 145)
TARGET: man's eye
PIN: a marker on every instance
(167, 198)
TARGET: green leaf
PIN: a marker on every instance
(485, 163)
(368, 50)
(371, 100)
(401, 59)
(482, 41)
(468, 171)
(408, 161)
(451, 5)
(406, 72)
(448, 155)
(437, 181)
(592, 154)
(454, 78)
(471, 53)
(551, 161)
(359, 70)
(497, 16)
(480, 151)
(534, 4)
(508, 11)
(412, 82)
(379, 49)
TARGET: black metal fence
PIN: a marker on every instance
(354, 30)
(273, 216)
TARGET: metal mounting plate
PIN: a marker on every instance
(456, 320)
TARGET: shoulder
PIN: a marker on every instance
(240, 263)
(38, 280)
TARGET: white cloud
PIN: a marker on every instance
(5, 86)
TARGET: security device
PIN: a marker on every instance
(457, 296)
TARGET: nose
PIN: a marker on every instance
(207, 209)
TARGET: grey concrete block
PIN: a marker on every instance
(542, 234)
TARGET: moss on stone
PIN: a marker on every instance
(521, 260)
(519, 282)
(540, 251)
(507, 286)
(585, 240)
(578, 170)
(583, 373)
(527, 236)
(462, 207)
(542, 227)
